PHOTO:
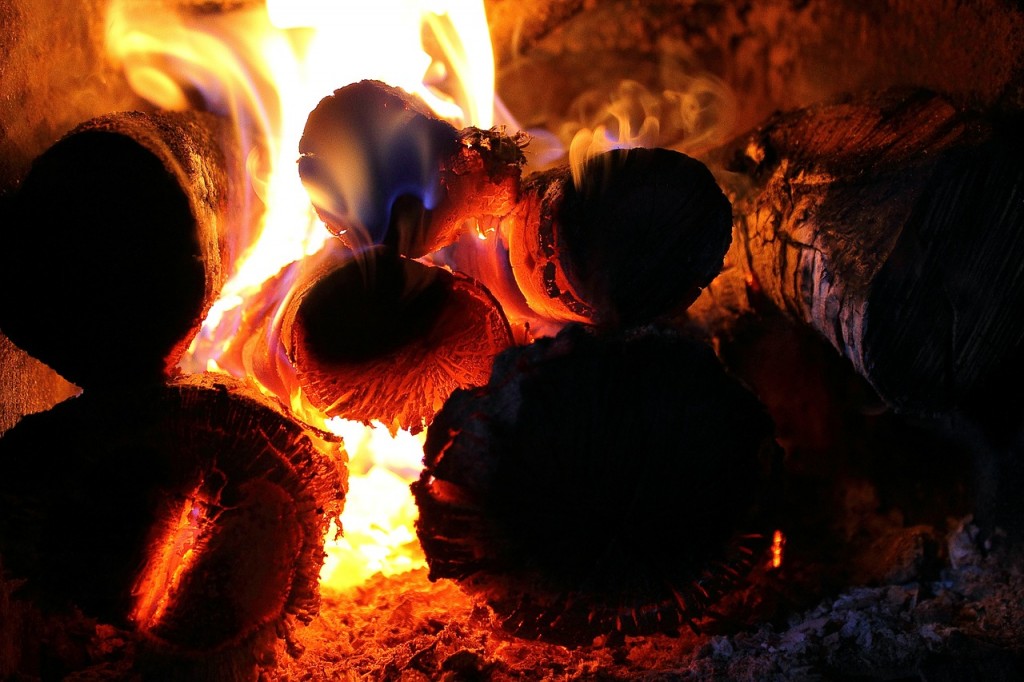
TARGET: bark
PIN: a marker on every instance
(192, 514)
(890, 224)
(117, 244)
(598, 485)
(381, 338)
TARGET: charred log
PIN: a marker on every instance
(384, 338)
(891, 225)
(192, 514)
(598, 485)
(114, 247)
(380, 168)
(642, 234)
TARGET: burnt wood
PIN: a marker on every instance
(115, 246)
(599, 484)
(891, 224)
(192, 514)
(381, 168)
(377, 337)
(643, 232)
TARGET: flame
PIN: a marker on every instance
(266, 67)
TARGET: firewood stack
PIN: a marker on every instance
(592, 470)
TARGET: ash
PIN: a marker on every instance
(967, 623)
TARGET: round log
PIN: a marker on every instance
(381, 168)
(193, 514)
(598, 484)
(382, 338)
(644, 232)
(115, 247)
(890, 223)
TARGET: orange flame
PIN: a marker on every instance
(266, 67)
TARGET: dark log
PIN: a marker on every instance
(889, 223)
(116, 244)
(639, 238)
(382, 338)
(380, 168)
(192, 514)
(599, 484)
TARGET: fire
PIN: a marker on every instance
(266, 67)
(778, 545)
(172, 556)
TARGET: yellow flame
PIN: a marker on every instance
(266, 67)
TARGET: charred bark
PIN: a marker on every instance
(642, 234)
(116, 244)
(192, 514)
(381, 168)
(382, 338)
(891, 225)
(598, 485)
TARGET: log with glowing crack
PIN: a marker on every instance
(192, 514)
(639, 237)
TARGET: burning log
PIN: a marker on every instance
(891, 225)
(598, 484)
(192, 513)
(380, 168)
(383, 338)
(643, 232)
(129, 214)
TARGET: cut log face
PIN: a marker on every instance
(381, 168)
(195, 513)
(114, 245)
(890, 223)
(383, 338)
(598, 485)
(646, 230)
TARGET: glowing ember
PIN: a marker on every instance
(266, 68)
(778, 545)
(174, 553)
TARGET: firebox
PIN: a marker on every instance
(511, 340)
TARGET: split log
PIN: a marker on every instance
(193, 514)
(115, 246)
(889, 223)
(382, 338)
(381, 168)
(642, 234)
(599, 484)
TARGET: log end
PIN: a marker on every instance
(644, 232)
(598, 485)
(383, 338)
(193, 514)
(111, 252)
(364, 147)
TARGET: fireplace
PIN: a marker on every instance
(778, 239)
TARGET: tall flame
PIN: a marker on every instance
(266, 67)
